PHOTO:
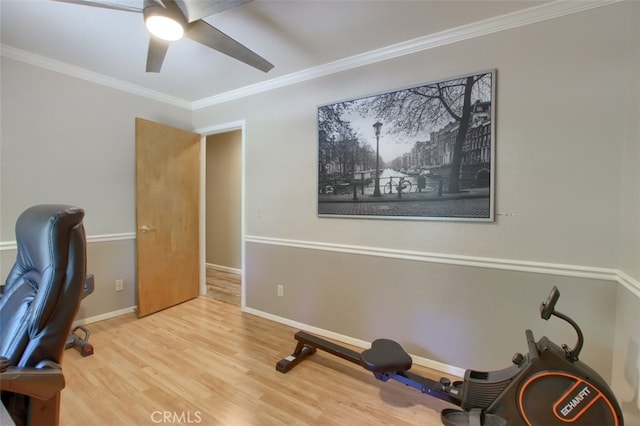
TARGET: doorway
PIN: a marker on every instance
(222, 213)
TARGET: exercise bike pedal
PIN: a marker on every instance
(473, 417)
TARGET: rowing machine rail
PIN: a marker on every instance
(388, 360)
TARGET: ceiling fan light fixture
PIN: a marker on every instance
(164, 27)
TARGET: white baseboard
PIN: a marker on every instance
(223, 268)
(105, 316)
(424, 362)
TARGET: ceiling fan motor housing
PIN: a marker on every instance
(167, 23)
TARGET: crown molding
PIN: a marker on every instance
(543, 12)
(500, 23)
(94, 77)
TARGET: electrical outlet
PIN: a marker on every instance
(119, 285)
(280, 290)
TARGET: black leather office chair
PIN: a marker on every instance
(40, 300)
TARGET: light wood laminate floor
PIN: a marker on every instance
(205, 362)
(223, 286)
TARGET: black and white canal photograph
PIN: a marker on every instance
(423, 152)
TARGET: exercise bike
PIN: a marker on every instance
(546, 387)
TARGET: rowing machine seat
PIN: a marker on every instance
(385, 356)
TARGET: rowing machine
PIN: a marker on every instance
(549, 386)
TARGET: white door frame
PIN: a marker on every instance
(207, 131)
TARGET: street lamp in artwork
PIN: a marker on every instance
(376, 190)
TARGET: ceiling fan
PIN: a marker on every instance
(169, 20)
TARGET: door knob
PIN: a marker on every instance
(145, 228)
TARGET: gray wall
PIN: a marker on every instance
(66, 140)
(223, 199)
(566, 123)
(626, 366)
(559, 153)
(626, 362)
(630, 215)
(459, 315)
(567, 158)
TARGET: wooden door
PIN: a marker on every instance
(167, 215)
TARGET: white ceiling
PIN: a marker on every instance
(294, 35)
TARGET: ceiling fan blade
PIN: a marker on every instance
(102, 4)
(198, 9)
(204, 33)
(156, 53)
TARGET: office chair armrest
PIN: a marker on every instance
(42, 383)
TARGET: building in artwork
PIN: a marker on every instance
(436, 154)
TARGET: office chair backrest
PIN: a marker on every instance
(43, 289)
